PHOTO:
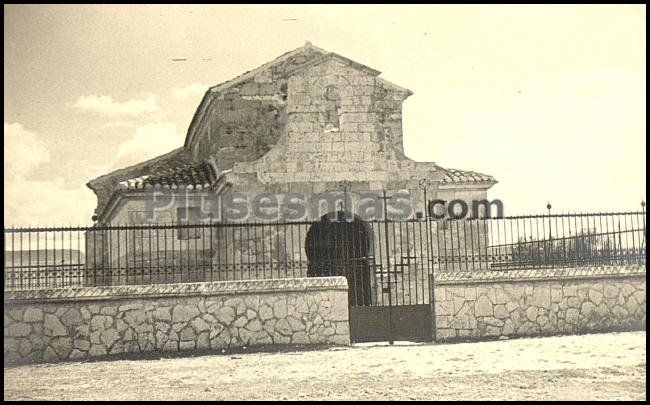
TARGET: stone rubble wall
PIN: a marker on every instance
(80, 323)
(498, 304)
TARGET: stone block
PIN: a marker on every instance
(640, 297)
(128, 307)
(117, 348)
(492, 331)
(184, 313)
(112, 311)
(81, 344)
(200, 325)
(342, 328)
(619, 312)
(500, 311)
(62, 346)
(465, 318)
(77, 355)
(99, 322)
(483, 306)
(97, 350)
(542, 296)
(50, 354)
(170, 346)
(283, 327)
(339, 310)
(572, 316)
(611, 291)
(162, 313)
(249, 89)
(511, 306)
(573, 302)
(500, 296)
(570, 290)
(531, 313)
(527, 329)
(72, 317)
(108, 337)
(15, 314)
(187, 334)
(255, 325)
(493, 321)
(586, 309)
(300, 338)
(225, 315)
(444, 308)
(187, 345)
(25, 347)
(52, 326)
(203, 341)
(32, 315)
(240, 322)
(508, 328)
(556, 294)
(18, 329)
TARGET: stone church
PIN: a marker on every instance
(306, 123)
(301, 123)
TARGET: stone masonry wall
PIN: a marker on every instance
(74, 324)
(497, 304)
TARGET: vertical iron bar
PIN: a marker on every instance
(390, 302)
(380, 292)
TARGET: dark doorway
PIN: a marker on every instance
(339, 247)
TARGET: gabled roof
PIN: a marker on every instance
(333, 55)
(455, 176)
(170, 159)
(307, 48)
(251, 73)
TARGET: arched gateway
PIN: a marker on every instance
(341, 248)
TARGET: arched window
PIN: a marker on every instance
(332, 105)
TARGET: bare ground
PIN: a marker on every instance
(587, 367)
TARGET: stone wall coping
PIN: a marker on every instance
(550, 274)
(178, 290)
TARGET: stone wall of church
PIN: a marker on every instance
(342, 124)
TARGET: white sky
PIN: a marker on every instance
(548, 99)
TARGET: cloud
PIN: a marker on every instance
(51, 202)
(23, 151)
(118, 124)
(192, 90)
(148, 141)
(31, 202)
(106, 105)
(47, 203)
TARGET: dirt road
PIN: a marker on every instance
(588, 367)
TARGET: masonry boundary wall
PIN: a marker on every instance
(95, 322)
(485, 305)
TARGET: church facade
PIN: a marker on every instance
(308, 124)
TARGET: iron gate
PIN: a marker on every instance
(387, 265)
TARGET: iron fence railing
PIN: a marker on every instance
(542, 241)
(384, 260)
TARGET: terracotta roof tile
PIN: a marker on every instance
(199, 176)
(454, 176)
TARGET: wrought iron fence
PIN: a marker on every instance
(542, 241)
(383, 260)
(41, 258)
